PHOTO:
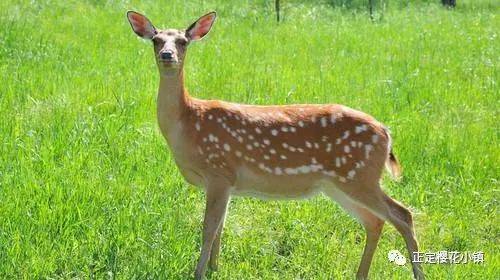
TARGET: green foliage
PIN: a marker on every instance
(88, 188)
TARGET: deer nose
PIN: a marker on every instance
(167, 55)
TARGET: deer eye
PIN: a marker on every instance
(157, 40)
(181, 42)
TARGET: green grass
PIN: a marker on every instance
(88, 188)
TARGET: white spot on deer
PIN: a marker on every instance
(238, 154)
(267, 157)
(351, 174)
(197, 126)
(219, 120)
(313, 160)
(333, 119)
(205, 139)
(256, 144)
(346, 134)
(368, 149)
(308, 144)
(200, 150)
(313, 119)
(211, 156)
(328, 147)
(304, 169)
(249, 147)
(301, 123)
(227, 147)
(272, 151)
(344, 160)
(347, 149)
(284, 129)
(353, 144)
(244, 131)
(292, 148)
(324, 138)
(262, 166)
(300, 150)
(316, 167)
(291, 171)
(240, 139)
(258, 130)
(330, 173)
(285, 145)
(323, 121)
(360, 144)
(250, 136)
(338, 141)
(342, 179)
(210, 117)
(278, 171)
(375, 138)
(237, 117)
(266, 141)
(316, 145)
(211, 138)
(361, 128)
(283, 157)
(274, 132)
(337, 162)
(293, 129)
(243, 122)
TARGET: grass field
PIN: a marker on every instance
(88, 188)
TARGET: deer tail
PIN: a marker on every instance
(392, 163)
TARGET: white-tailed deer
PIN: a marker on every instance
(272, 151)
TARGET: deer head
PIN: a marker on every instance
(170, 45)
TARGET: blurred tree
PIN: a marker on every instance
(449, 3)
(277, 6)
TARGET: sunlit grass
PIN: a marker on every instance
(88, 187)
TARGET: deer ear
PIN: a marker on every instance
(201, 27)
(141, 25)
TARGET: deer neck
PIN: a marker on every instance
(173, 101)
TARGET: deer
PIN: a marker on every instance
(272, 151)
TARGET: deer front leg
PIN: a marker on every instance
(217, 197)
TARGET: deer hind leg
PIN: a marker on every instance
(402, 219)
(372, 224)
(392, 211)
